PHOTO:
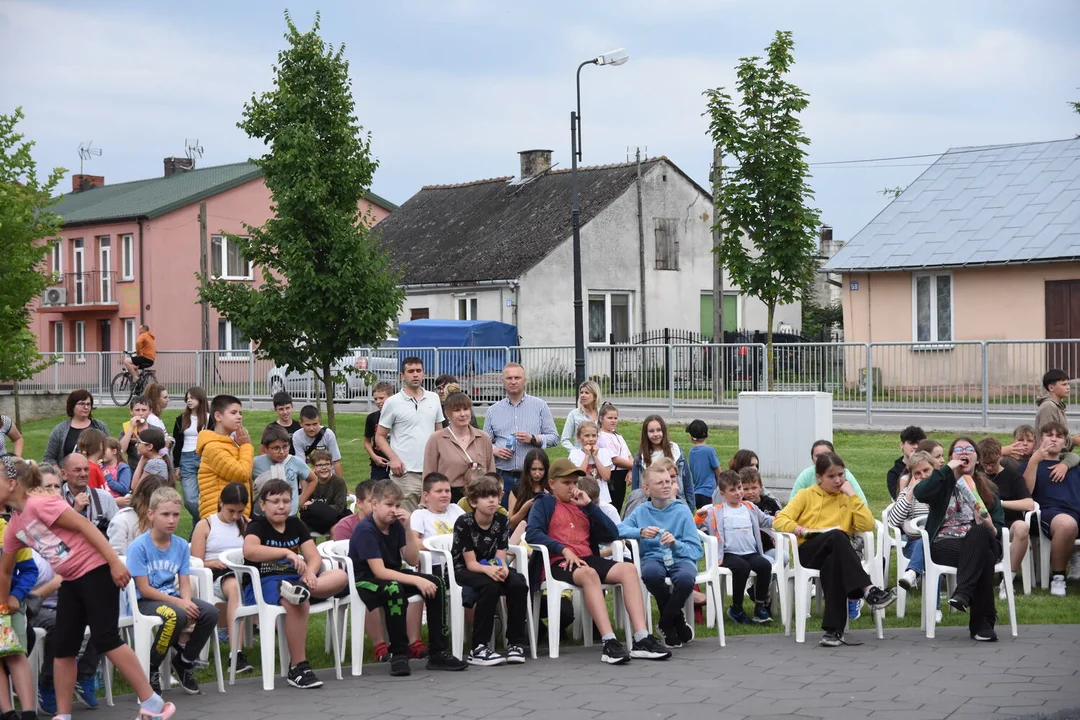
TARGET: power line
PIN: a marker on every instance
(933, 155)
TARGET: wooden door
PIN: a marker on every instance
(1063, 322)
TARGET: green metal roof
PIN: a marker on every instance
(157, 196)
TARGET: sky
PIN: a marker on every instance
(451, 90)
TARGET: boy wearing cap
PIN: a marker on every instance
(572, 527)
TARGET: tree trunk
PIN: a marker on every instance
(770, 369)
(328, 388)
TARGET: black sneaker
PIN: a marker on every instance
(155, 681)
(484, 656)
(960, 602)
(879, 599)
(614, 653)
(399, 666)
(243, 665)
(761, 615)
(986, 634)
(671, 637)
(831, 639)
(683, 630)
(185, 675)
(445, 661)
(738, 616)
(515, 655)
(648, 648)
(301, 676)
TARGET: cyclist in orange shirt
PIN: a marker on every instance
(145, 352)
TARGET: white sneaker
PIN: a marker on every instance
(485, 657)
(1057, 586)
(937, 616)
(1002, 595)
(294, 593)
(909, 580)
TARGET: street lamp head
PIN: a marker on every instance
(613, 57)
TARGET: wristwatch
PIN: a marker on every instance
(534, 441)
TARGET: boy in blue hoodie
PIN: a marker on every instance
(670, 549)
(572, 527)
(736, 524)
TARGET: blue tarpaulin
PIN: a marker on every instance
(492, 337)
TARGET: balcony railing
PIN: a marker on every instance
(93, 287)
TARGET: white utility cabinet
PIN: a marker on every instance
(780, 427)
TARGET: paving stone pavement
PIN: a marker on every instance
(760, 677)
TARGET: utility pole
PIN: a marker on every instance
(204, 271)
(641, 246)
(717, 177)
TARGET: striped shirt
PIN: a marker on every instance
(531, 415)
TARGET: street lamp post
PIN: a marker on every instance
(614, 57)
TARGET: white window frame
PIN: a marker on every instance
(230, 352)
(127, 257)
(58, 258)
(607, 294)
(80, 341)
(78, 268)
(472, 306)
(221, 243)
(129, 335)
(58, 340)
(934, 342)
(105, 279)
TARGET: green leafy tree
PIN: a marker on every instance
(327, 286)
(27, 229)
(764, 197)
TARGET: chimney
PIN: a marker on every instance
(826, 233)
(534, 162)
(174, 165)
(85, 182)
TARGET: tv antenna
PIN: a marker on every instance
(193, 150)
(86, 152)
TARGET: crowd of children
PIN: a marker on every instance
(112, 512)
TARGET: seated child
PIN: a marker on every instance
(15, 668)
(1059, 501)
(534, 481)
(344, 527)
(823, 518)
(595, 462)
(377, 548)
(1015, 456)
(481, 539)
(313, 436)
(572, 527)
(151, 461)
(324, 502)
(638, 496)
(470, 477)
(92, 445)
(905, 511)
(592, 489)
(160, 564)
(756, 493)
(117, 472)
(670, 549)
(1015, 500)
(283, 407)
(279, 545)
(277, 462)
(737, 525)
(704, 465)
(134, 520)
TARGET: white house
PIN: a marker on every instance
(501, 249)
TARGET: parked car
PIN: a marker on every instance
(357, 367)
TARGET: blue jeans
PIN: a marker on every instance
(913, 551)
(670, 601)
(189, 483)
(509, 483)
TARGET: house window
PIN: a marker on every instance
(226, 260)
(80, 341)
(127, 257)
(58, 339)
(609, 317)
(129, 335)
(105, 268)
(667, 243)
(932, 296)
(466, 308)
(231, 341)
(78, 268)
(58, 258)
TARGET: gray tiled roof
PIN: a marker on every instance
(994, 205)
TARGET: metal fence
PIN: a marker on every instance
(977, 378)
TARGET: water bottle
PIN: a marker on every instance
(669, 560)
(510, 443)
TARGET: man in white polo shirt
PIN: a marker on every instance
(407, 421)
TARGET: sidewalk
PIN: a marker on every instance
(904, 677)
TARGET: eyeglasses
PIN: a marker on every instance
(84, 403)
(323, 465)
(963, 450)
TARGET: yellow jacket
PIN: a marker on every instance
(814, 508)
(223, 462)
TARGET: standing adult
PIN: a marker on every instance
(145, 352)
(516, 424)
(459, 447)
(588, 409)
(406, 422)
(64, 438)
(447, 385)
(195, 418)
(97, 506)
(8, 430)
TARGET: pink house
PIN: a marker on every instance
(128, 254)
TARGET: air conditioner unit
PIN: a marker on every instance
(54, 296)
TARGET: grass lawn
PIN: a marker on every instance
(868, 456)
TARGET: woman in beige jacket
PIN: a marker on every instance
(458, 447)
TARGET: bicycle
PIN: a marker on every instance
(124, 387)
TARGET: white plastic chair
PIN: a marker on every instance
(554, 590)
(710, 578)
(892, 539)
(934, 572)
(802, 576)
(1044, 547)
(271, 621)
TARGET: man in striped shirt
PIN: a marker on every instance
(516, 424)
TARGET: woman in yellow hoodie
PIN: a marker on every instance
(823, 517)
(227, 454)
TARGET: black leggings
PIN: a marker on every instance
(842, 574)
(974, 557)
(740, 567)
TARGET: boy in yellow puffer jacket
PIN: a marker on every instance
(227, 454)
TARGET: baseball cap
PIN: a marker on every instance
(563, 467)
